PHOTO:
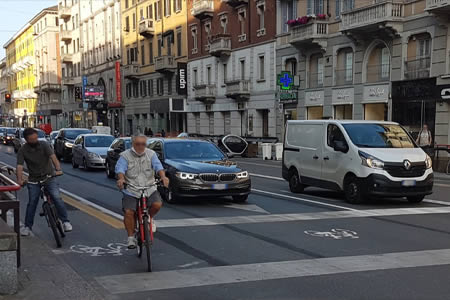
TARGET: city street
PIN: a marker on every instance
(278, 245)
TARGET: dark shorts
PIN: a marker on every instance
(130, 202)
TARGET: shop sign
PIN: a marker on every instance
(314, 98)
(345, 96)
(376, 93)
(424, 89)
(287, 93)
(182, 79)
(118, 83)
(445, 93)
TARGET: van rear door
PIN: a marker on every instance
(303, 149)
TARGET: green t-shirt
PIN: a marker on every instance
(38, 160)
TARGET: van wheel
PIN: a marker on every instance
(415, 199)
(353, 191)
(294, 182)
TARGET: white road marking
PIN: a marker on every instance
(190, 264)
(303, 200)
(213, 221)
(335, 233)
(436, 202)
(441, 185)
(267, 176)
(113, 249)
(257, 164)
(143, 282)
(247, 207)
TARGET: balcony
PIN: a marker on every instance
(165, 64)
(315, 80)
(131, 71)
(147, 28)
(416, 68)
(235, 3)
(67, 58)
(385, 17)
(238, 89)
(66, 36)
(65, 12)
(68, 81)
(343, 76)
(311, 34)
(205, 93)
(378, 73)
(220, 46)
(438, 6)
(202, 9)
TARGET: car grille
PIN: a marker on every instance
(227, 177)
(398, 170)
(209, 177)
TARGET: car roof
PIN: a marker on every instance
(95, 134)
(340, 122)
(180, 140)
(75, 129)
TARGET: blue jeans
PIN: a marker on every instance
(34, 193)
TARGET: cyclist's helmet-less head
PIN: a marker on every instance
(31, 136)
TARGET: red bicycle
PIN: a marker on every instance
(144, 230)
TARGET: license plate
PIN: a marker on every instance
(408, 182)
(219, 186)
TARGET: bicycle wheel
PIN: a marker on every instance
(59, 223)
(139, 244)
(52, 222)
(147, 243)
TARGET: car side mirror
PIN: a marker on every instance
(340, 146)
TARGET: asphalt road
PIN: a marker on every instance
(277, 246)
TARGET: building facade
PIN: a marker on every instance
(47, 67)
(372, 60)
(5, 107)
(232, 75)
(20, 62)
(154, 46)
(101, 56)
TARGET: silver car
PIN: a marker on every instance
(89, 150)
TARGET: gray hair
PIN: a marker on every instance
(138, 135)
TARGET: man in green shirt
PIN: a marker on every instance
(39, 157)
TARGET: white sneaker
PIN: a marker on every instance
(67, 227)
(153, 226)
(25, 231)
(131, 242)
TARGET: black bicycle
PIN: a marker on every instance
(49, 212)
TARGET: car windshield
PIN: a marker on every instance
(41, 134)
(10, 131)
(98, 141)
(53, 135)
(127, 144)
(378, 136)
(193, 150)
(72, 134)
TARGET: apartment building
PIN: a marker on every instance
(232, 75)
(47, 67)
(100, 26)
(20, 63)
(154, 36)
(5, 107)
(372, 60)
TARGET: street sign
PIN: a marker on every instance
(85, 82)
(94, 93)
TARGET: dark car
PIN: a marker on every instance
(199, 168)
(65, 140)
(112, 155)
(18, 140)
(8, 135)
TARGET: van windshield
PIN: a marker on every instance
(378, 136)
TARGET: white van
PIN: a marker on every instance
(361, 158)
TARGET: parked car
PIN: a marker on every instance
(89, 150)
(199, 168)
(52, 137)
(361, 158)
(18, 140)
(233, 145)
(8, 135)
(101, 129)
(64, 141)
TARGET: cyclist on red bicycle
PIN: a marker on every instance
(137, 166)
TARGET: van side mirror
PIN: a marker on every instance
(340, 146)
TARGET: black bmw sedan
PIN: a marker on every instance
(199, 168)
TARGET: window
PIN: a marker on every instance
(385, 63)
(320, 71)
(159, 46)
(128, 90)
(291, 66)
(160, 86)
(343, 112)
(167, 9)
(208, 75)
(194, 76)
(179, 43)
(224, 23)
(150, 46)
(136, 89)
(127, 4)
(143, 54)
(242, 62)
(288, 12)
(194, 40)
(349, 66)
(169, 85)
(141, 14)
(344, 5)
(150, 11)
(261, 8)
(315, 7)
(127, 24)
(169, 45)
(261, 68)
(150, 87)
(241, 16)
(134, 21)
(78, 44)
(158, 10)
(224, 73)
(424, 48)
(179, 5)
(334, 134)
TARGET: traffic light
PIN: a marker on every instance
(7, 98)
(78, 93)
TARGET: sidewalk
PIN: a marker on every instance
(44, 276)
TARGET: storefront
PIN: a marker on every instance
(343, 100)
(314, 105)
(375, 102)
(414, 104)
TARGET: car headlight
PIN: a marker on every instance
(93, 155)
(370, 161)
(428, 162)
(68, 144)
(186, 176)
(242, 175)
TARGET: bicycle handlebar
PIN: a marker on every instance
(140, 188)
(42, 181)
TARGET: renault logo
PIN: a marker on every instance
(407, 164)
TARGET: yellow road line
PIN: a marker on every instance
(113, 222)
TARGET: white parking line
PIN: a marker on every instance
(267, 176)
(261, 165)
(143, 282)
